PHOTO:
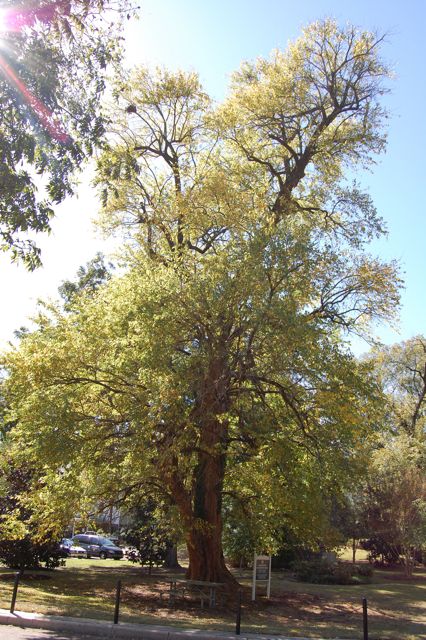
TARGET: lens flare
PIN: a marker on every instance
(9, 21)
(3, 21)
(13, 21)
(43, 114)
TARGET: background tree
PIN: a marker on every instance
(216, 364)
(20, 545)
(53, 62)
(396, 499)
(348, 516)
(402, 371)
(394, 504)
(89, 278)
(149, 534)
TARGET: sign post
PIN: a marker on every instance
(261, 573)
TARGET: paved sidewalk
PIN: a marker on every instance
(88, 627)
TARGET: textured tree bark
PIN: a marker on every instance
(171, 561)
(202, 509)
(206, 561)
(408, 560)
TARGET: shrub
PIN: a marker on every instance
(323, 572)
(26, 554)
(316, 571)
(364, 570)
(20, 548)
(148, 536)
(341, 574)
(380, 551)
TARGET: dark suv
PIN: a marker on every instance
(98, 546)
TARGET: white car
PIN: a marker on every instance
(131, 553)
(70, 550)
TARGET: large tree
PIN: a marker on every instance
(215, 367)
(395, 495)
(395, 501)
(401, 369)
(53, 60)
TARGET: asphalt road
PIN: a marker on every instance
(18, 633)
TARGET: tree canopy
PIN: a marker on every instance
(394, 499)
(53, 60)
(395, 504)
(401, 369)
(214, 369)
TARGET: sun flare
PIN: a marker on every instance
(8, 20)
(3, 20)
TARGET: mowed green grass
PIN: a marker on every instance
(86, 588)
(346, 554)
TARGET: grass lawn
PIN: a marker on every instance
(86, 588)
(346, 554)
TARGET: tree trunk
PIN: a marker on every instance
(408, 560)
(202, 515)
(171, 561)
(204, 540)
(353, 550)
(201, 508)
(206, 560)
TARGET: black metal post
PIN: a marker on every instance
(238, 622)
(117, 601)
(15, 592)
(365, 618)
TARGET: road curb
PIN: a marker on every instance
(123, 630)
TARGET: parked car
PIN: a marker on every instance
(98, 546)
(71, 550)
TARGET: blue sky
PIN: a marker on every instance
(213, 38)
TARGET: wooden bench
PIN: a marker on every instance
(201, 589)
(160, 592)
(170, 595)
(175, 591)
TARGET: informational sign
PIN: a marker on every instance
(262, 568)
(261, 573)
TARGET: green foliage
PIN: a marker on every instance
(396, 499)
(214, 369)
(381, 551)
(401, 369)
(89, 278)
(348, 513)
(320, 571)
(53, 62)
(364, 570)
(21, 546)
(24, 553)
(148, 535)
(395, 502)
